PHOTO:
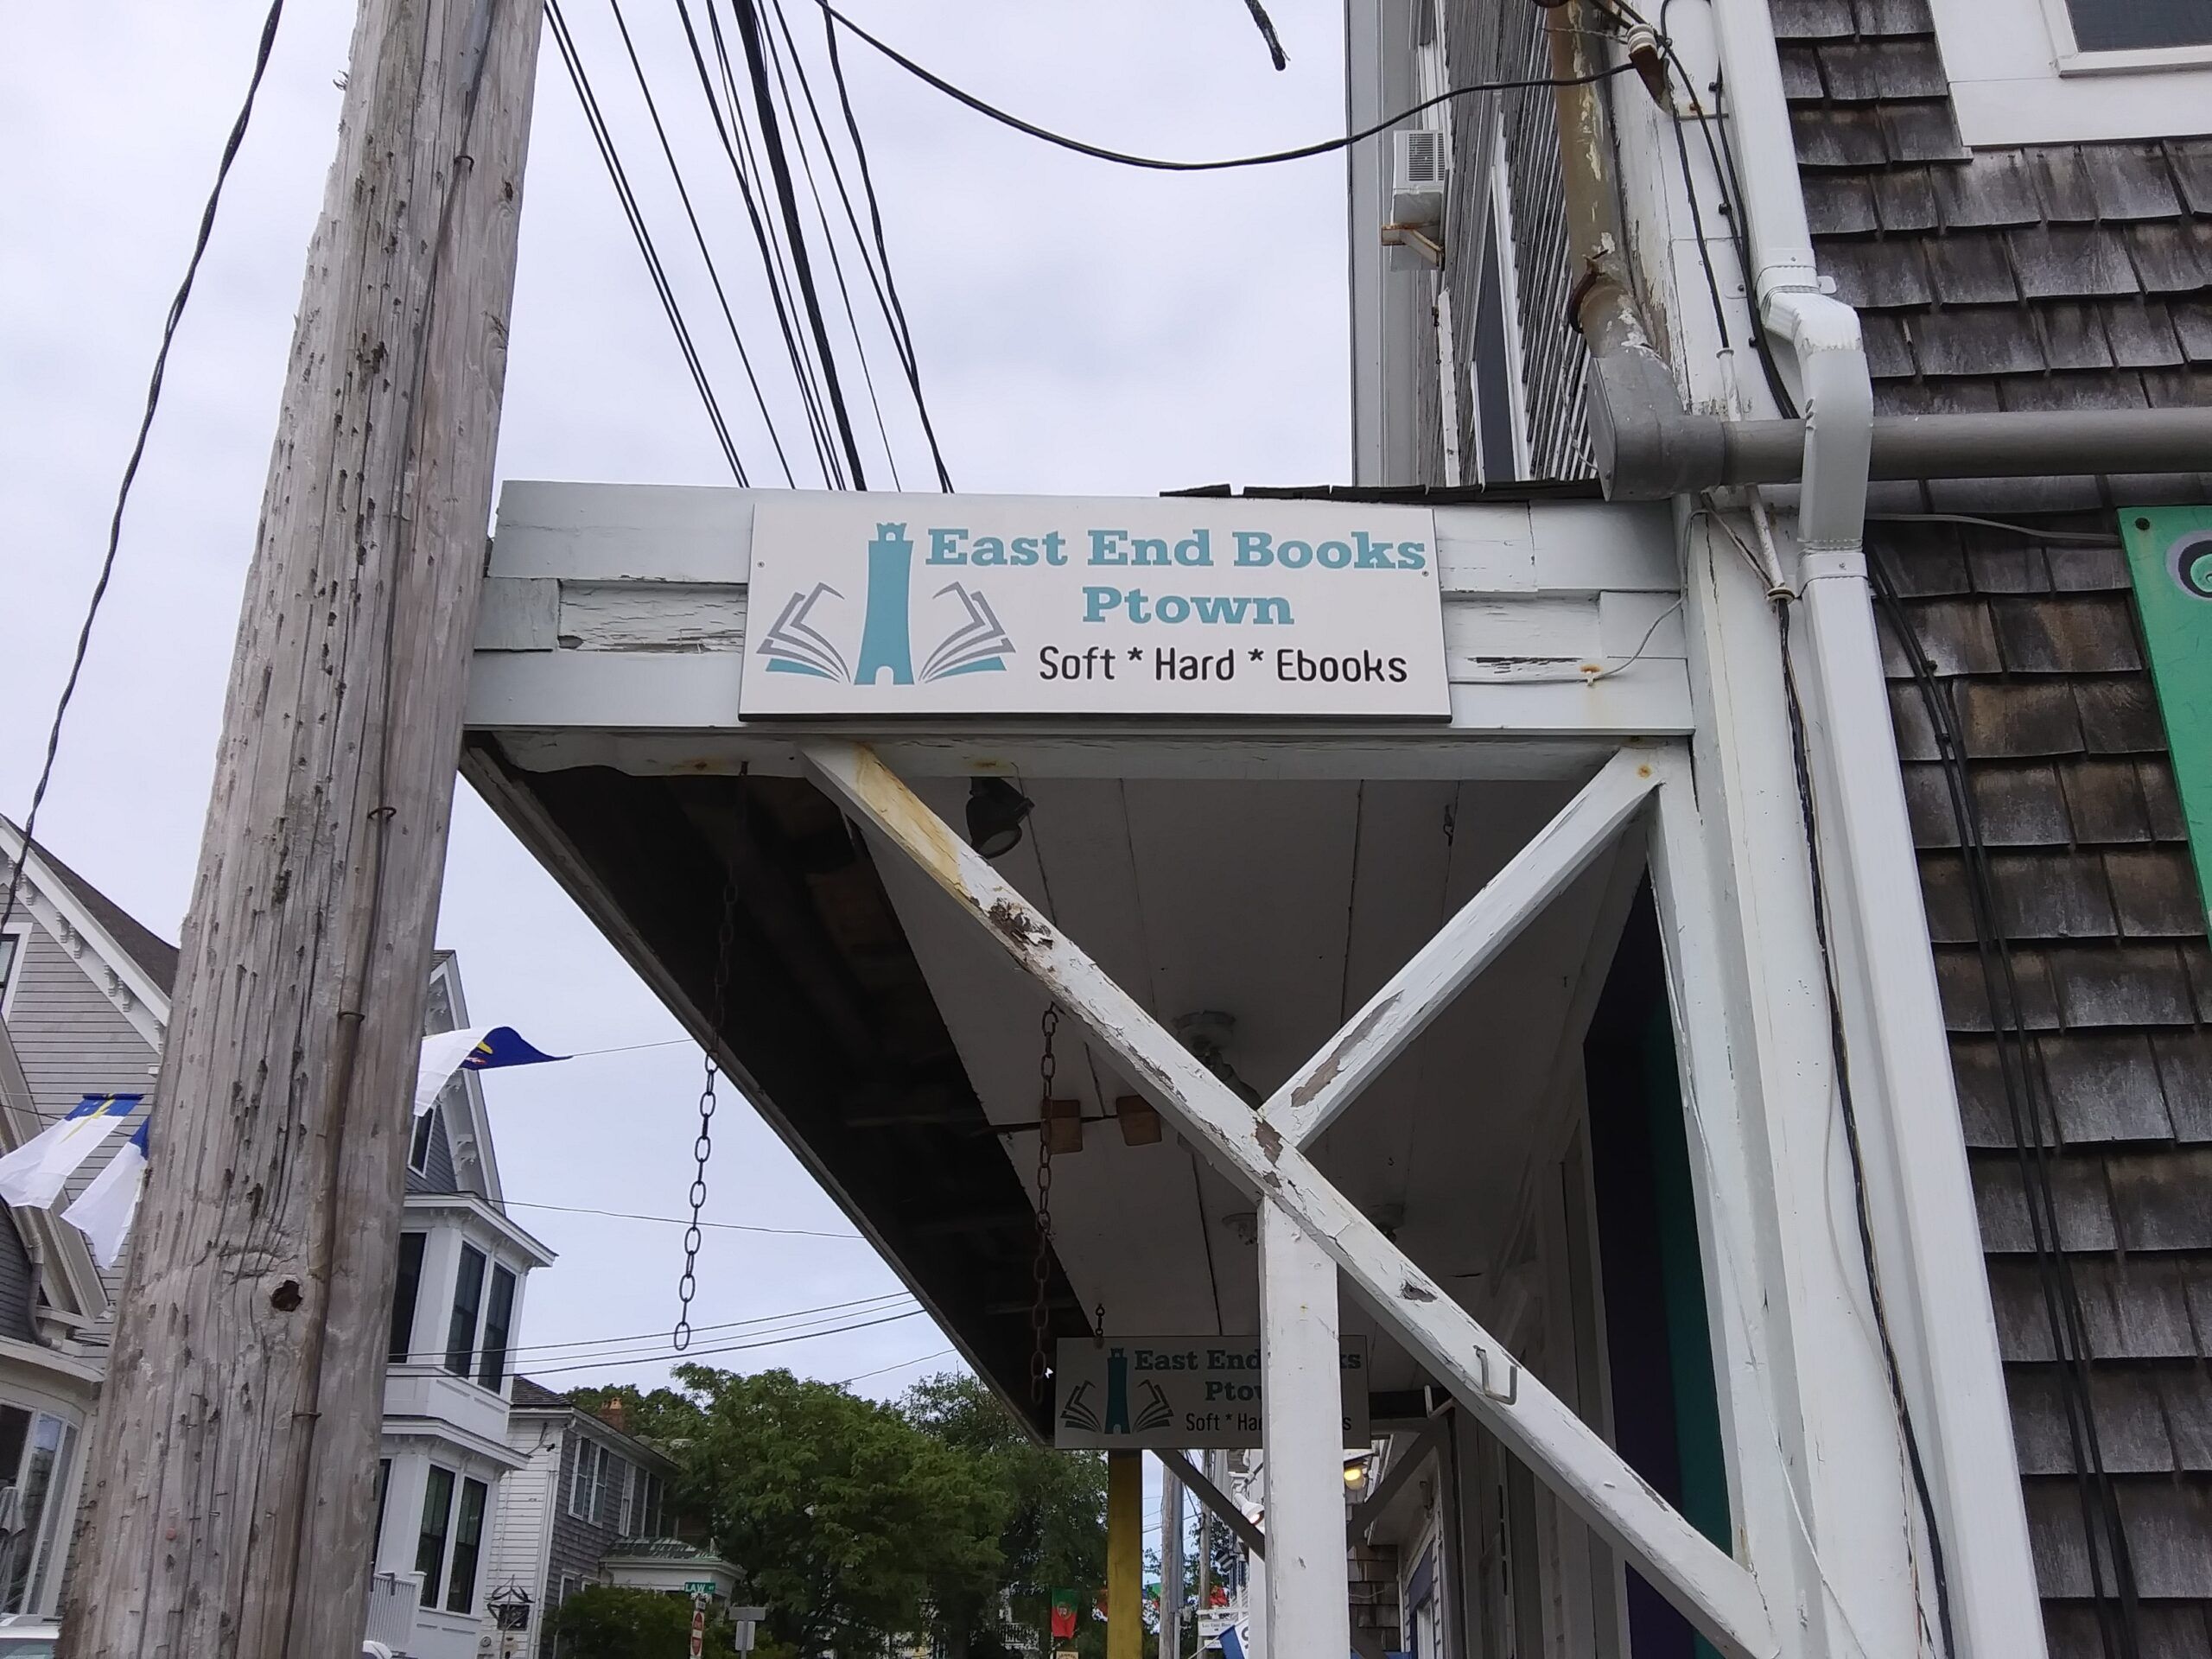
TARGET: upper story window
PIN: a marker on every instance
(406, 1291)
(2049, 71)
(598, 1486)
(9, 944)
(483, 1309)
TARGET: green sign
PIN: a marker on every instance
(2169, 549)
(698, 1586)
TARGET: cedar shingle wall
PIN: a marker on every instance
(2050, 277)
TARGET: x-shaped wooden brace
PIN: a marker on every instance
(1263, 1152)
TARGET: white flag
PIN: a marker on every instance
(441, 1057)
(33, 1175)
(102, 1210)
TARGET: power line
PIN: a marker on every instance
(602, 135)
(922, 1359)
(713, 275)
(733, 135)
(886, 289)
(829, 237)
(577, 1348)
(231, 147)
(678, 1221)
(1122, 158)
(763, 110)
(692, 1355)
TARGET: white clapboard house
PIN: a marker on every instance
(84, 1004)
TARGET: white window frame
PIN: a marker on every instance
(2018, 77)
(20, 936)
(588, 1450)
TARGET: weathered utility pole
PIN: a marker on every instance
(229, 1497)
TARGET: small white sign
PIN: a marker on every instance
(1194, 1393)
(891, 605)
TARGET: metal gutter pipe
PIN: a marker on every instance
(1653, 450)
(1927, 1241)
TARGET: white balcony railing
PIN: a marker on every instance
(393, 1598)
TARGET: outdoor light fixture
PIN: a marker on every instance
(996, 811)
(1355, 1473)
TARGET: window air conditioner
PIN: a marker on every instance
(1419, 167)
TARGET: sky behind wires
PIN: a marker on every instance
(1080, 329)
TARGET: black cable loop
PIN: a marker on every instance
(1040, 1267)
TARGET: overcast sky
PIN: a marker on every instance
(1081, 328)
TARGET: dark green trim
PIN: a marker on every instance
(2170, 554)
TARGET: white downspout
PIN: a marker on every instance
(1928, 1242)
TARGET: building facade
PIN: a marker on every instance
(2003, 210)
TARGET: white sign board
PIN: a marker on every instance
(1190, 1393)
(891, 605)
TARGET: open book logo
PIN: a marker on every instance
(800, 641)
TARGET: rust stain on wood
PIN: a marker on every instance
(1326, 1073)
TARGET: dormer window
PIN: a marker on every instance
(418, 1149)
(2137, 25)
(2049, 71)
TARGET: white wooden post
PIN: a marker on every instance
(1301, 1429)
(1170, 1565)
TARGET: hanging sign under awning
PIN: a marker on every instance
(1190, 1393)
(892, 605)
(2170, 550)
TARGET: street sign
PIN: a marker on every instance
(896, 605)
(746, 1620)
(1178, 1393)
(698, 1586)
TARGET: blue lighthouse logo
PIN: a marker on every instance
(974, 642)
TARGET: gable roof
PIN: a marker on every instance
(155, 957)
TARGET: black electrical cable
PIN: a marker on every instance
(2029, 1114)
(734, 137)
(829, 235)
(1840, 1058)
(595, 121)
(904, 334)
(699, 235)
(763, 110)
(877, 266)
(1097, 152)
(231, 147)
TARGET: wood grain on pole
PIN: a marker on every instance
(228, 1496)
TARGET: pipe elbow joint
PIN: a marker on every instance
(1838, 393)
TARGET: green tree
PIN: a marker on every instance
(667, 1418)
(847, 1520)
(602, 1621)
(1054, 1531)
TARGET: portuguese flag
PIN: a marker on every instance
(1067, 1607)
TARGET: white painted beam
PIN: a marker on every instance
(1469, 943)
(1301, 1431)
(1219, 1504)
(1713, 1591)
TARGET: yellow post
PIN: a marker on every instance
(1125, 1555)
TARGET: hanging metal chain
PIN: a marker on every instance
(1040, 1270)
(703, 1147)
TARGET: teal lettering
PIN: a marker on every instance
(989, 549)
(1224, 607)
(1255, 547)
(1106, 547)
(1294, 556)
(1097, 601)
(945, 549)
(1272, 612)
(1055, 546)
(1333, 555)
(1373, 555)
(1196, 548)
(1172, 607)
(1025, 550)
(1149, 551)
(1411, 556)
